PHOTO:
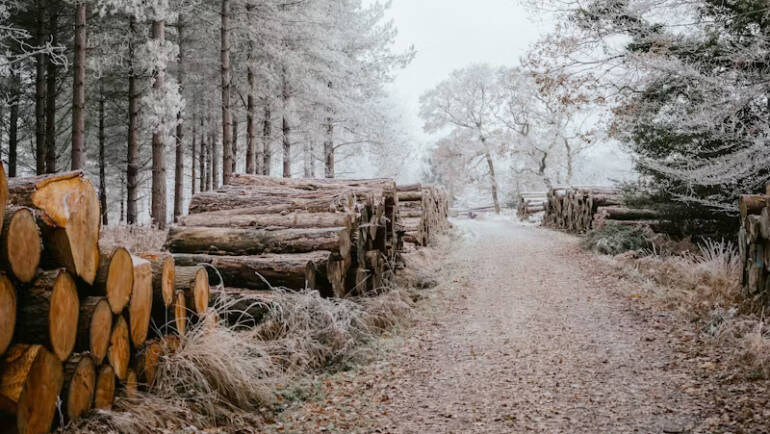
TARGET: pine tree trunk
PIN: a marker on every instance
(286, 128)
(79, 91)
(253, 162)
(102, 139)
(214, 161)
(227, 139)
(158, 205)
(307, 157)
(132, 167)
(13, 126)
(202, 158)
(329, 149)
(235, 144)
(267, 132)
(193, 160)
(50, 118)
(179, 155)
(40, 85)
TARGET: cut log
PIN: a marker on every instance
(148, 359)
(70, 219)
(94, 327)
(119, 352)
(294, 220)
(79, 386)
(409, 196)
(622, 213)
(140, 306)
(220, 201)
(105, 388)
(30, 381)
(3, 192)
(48, 313)
(194, 282)
(244, 242)
(279, 270)
(179, 311)
(115, 278)
(20, 243)
(245, 308)
(7, 312)
(162, 276)
(751, 204)
(131, 385)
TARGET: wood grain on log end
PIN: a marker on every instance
(31, 378)
(104, 393)
(7, 312)
(79, 385)
(22, 245)
(119, 352)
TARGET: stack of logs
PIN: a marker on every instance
(531, 205)
(423, 213)
(579, 210)
(754, 243)
(74, 320)
(336, 236)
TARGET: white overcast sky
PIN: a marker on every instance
(451, 34)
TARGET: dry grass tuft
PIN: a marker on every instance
(135, 238)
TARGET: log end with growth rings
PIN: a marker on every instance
(79, 386)
(7, 312)
(63, 315)
(119, 352)
(100, 330)
(119, 280)
(104, 394)
(140, 306)
(21, 244)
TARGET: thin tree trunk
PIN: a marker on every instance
(158, 206)
(569, 160)
(286, 128)
(267, 132)
(329, 149)
(40, 85)
(202, 158)
(193, 160)
(102, 177)
(79, 91)
(13, 126)
(227, 139)
(132, 167)
(214, 161)
(179, 156)
(50, 118)
(235, 144)
(306, 159)
(253, 164)
(312, 159)
(493, 181)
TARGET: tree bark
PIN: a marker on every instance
(227, 138)
(253, 162)
(132, 167)
(202, 158)
(179, 154)
(50, 118)
(286, 127)
(13, 125)
(158, 206)
(493, 181)
(102, 144)
(79, 91)
(263, 271)
(249, 219)
(244, 242)
(267, 132)
(329, 150)
(194, 159)
(40, 88)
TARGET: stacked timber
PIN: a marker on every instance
(754, 243)
(260, 232)
(423, 213)
(531, 205)
(73, 317)
(580, 209)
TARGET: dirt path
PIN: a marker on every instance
(528, 334)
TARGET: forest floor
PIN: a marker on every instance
(527, 332)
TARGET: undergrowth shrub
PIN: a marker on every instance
(616, 239)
